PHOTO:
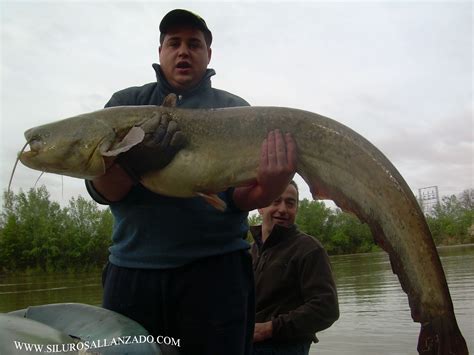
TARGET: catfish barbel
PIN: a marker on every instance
(223, 150)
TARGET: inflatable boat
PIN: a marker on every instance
(73, 328)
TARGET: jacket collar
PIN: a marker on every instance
(277, 235)
(166, 88)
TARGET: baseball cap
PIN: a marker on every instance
(185, 17)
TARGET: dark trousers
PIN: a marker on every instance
(209, 305)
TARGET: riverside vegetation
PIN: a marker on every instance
(38, 234)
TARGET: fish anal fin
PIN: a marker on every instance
(214, 200)
(169, 101)
(132, 138)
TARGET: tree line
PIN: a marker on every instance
(37, 233)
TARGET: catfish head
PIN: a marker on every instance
(74, 146)
(85, 146)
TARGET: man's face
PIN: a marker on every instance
(184, 57)
(282, 211)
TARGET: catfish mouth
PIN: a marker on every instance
(35, 143)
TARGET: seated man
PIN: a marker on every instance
(295, 290)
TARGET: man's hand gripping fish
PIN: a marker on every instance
(222, 150)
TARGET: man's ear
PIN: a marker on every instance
(159, 50)
(209, 54)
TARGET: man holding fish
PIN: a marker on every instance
(180, 267)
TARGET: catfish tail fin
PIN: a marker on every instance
(441, 336)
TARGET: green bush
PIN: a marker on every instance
(36, 233)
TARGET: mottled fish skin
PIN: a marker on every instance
(223, 150)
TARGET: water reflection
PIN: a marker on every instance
(375, 316)
(21, 291)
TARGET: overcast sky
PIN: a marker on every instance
(397, 72)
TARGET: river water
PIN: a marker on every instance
(375, 317)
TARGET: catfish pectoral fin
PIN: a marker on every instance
(214, 200)
(132, 138)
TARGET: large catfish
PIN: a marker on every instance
(223, 149)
